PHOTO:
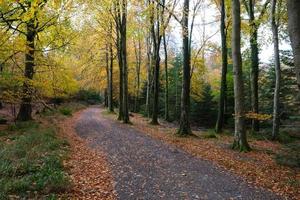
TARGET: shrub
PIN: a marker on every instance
(65, 111)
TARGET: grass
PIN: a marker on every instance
(66, 109)
(31, 162)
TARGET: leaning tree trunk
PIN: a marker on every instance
(240, 137)
(254, 65)
(223, 88)
(184, 128)
(293, 7)
(276, 117)
(25, 112)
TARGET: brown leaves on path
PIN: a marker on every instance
(256, 167)
(89, 171)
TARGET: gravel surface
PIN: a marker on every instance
(146, 168)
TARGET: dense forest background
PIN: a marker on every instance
(126, 54)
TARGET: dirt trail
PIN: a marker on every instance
(146, 168)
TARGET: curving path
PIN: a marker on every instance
(146, 168)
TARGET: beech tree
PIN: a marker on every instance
(26, 18)
(223, 87)
(184, 127)
(276, 114)
(121, 28)
(240, 137)
(293, 9)
(254, 24)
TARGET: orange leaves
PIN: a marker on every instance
(258, 116)
(256, 167)
(90, 174)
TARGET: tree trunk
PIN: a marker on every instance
(293, 7)
(254, 65)
(124, 61)
(156, 40)
(276, 117)
(138, 57)
(223, 88)
(149, 64)
(166, 79)
(25, 112)
(184, 128)
(120, 62)
(110, 75)
(156, 88)
(240, 137)
(107, 77)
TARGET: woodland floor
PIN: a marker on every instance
(148, 163)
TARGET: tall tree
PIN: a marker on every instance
(276, 116)
(155, 20)
(184, 128)
(240, 137)
(254, 25)
(110, 72)
(138, 62)
(166, 79)
(223, 88)
(293, 8)
(121, 26)
(25, 19)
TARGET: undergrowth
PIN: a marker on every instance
(31, 162)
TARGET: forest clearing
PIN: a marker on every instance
(149, 99)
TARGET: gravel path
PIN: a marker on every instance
(146, 168)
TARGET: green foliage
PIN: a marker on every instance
(290, 156)
(285, 138)
(89, 96)
(204, 112)
(66, 111)
(31, 160)
(210, 134)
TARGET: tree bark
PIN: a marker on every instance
(293, 7)
(149, 65)
(25, 112)
(184, 128)
(166, 80)
(240, 137)
(276, 117)
(124, 61)
(156, 40)
(254, 65)
(107, 77)
(223, 87)
(120, 61)
(138, 57)
(110, 75)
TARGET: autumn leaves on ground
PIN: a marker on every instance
(76, 171)
(211, 82)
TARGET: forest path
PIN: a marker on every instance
(146, 168)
